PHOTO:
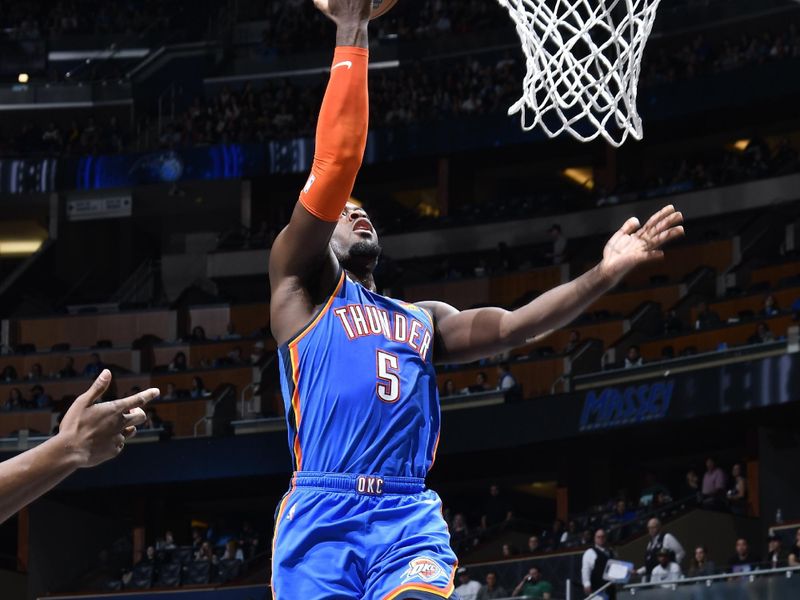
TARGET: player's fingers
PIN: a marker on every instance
(630, 226)
(654, 255)
(97, 389)
(667, 236)
(135, 417)
(139, 400)
(670, 220)
(129, 432)
(119, 441)
(655, 221)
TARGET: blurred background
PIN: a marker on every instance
(150, 152)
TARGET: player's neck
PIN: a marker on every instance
(365, 278)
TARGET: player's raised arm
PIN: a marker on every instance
(474, 334)
(302, 267)
(89, 434)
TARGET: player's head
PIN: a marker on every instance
(355, 241)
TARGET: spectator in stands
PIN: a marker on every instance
(573, 342)
(659, 540)
(491, 589)
(796, 548)
(737, 493)
(235, 356)
(666, 569)
(498, 510)
(179, 363)
(552, 538)
(706, 318)
(617, 521)
(586, 538)
(258, 355)
(198, 389)
(505, 380)
(197, 539)
(15, 400)
(39, 400)
(633, 358)
(593, 565)
(168, 543)
(205, 553)
(68, 370)
(672, 323)
(701, 564)
(94, 367)
(742, 561)
(170, 394)
(776, 557)
(232, 551)
(572, 536)
(770, 308)
(230, 333)
(762, 335)
(459, 532)
(248, 540)
(691, 486)
(198, 334)
(652, 490)
(533, 586)
(534, 545)
(480, 384)
(559, 252)
(36, 373)
(508, 551)
(467, 589)
(9, 374)
(449, 388)
(153, 420)
(713, 490)
(149, 558)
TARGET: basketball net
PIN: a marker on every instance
(583, 59)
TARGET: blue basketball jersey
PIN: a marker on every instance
(360, 388)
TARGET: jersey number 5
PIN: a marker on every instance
(388, 386)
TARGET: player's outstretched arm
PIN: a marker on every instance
(302, 267)
(90, 433)
(479, 333)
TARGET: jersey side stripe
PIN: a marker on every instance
(299, 337)
(298, 451)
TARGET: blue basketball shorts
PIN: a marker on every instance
(342, 536)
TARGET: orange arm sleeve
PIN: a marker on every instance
(341, 135)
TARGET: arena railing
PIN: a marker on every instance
(761, 583)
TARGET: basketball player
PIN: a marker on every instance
(89, 434)
(357, 368)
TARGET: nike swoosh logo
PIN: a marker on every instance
(344, 63)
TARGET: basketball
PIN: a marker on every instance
(381, 7)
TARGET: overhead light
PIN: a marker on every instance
(741, 145)
(583, 176)
(19, 247)
(23, 78)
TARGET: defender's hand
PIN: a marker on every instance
(633, 245)
(346, 12)
(96, 433)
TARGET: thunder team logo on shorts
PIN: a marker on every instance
(423, 568)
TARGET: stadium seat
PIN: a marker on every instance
(198, 573)
(169, 575)
(183, 555)
(229, 570)
(142, 577)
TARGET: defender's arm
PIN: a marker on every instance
(89, 435)
(474, 334)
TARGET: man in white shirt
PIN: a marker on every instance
(468, 590)
(659, 540)
(593, 565)
(667, 569)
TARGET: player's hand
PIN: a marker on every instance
(346, 12)
(94, 432)
(633, 245)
